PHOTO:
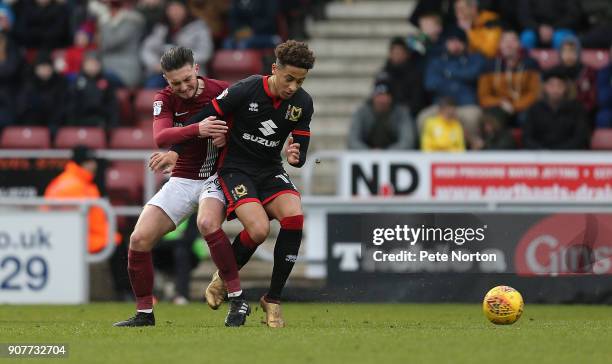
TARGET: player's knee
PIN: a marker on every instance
(258, 231)
(207, 225)
(140, 242)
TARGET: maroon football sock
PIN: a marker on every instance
(223, 256)
(140, 270)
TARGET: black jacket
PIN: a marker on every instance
(406, 82)
(42, 27)
(43, 102)
(556, 13)
(563, 129)
(93, 102)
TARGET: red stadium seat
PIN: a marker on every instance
(132, 138)
(596, 58)
(517, 135)
(126, 109)
(144, 104)
(71, 136)
(26, 137)
(546, 58)
(231, 65)
(124, 181)
(602, 139)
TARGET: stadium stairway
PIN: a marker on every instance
(351, 46)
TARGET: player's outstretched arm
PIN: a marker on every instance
(297, 148)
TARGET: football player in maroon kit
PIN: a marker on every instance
(193, 184)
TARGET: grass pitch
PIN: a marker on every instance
(317, 333)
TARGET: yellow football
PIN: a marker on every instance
(503, 305)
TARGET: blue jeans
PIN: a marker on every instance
(530, 38)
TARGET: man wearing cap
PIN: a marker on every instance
(77, 182)
(381, 124)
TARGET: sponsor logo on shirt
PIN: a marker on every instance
(268, 128)
(260, 140)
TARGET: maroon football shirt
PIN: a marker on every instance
(198, 160)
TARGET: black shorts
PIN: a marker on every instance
(264, 185)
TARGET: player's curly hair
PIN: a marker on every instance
(294, 53)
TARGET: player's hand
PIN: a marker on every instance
(210, 126)
(219, 140)
(292, 152)
(163, 162)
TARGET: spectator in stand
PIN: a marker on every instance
(92, 97)
(546, 22)
(177, 29)
(294, 12)
(494, 133)
(252, 25)
(483, 27)
(604, 96)
(381, 124)
(42, 24)
(511, 81)
(506, 10)
(70, 64)
(443, 132)
(428, 42)
(77, 182)
(556, 122)
(582, 78)
(10, 72)
(444, 9)
(7, 18)
(214, 13)
(42, 101)
(153, 13)
(404, 74)
(120, 32)
(597, 32)
(454, 75)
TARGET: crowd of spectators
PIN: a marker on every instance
(62, 61)
(467, 78)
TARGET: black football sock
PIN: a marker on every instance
(285, 254)
(243, 247)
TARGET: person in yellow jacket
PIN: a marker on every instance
(443, 132)
(483, 28)
(76, 182)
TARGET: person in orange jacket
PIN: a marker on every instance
(76, 182)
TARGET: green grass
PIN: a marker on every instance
(318, 333)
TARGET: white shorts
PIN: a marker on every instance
(179, 197)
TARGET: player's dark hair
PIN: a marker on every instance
(294, 53)
(175, 58)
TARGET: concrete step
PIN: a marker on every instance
(338, 87)
(330, 126)
(353, 49)
(335, 106)
(382, 28)
(338, 67)
(370, 10)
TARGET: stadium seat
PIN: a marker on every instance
(124, 181)
(144, 104)
(26, 137)
(602, 139)
(233, 65)
(132, 138)
(546, 58)
(596, 58)
(126, 110)
(71, 136)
